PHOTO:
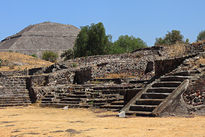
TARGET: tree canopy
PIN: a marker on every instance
(126, 43)
(92, 40)
(201, 36)
(170, 38)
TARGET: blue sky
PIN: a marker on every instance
(146, 19)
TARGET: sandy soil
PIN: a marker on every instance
(52, 122)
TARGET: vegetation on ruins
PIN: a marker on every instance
(125, 44)
(201, 36)
(171, 38)
(92, 40)
(34, 55)
(68, 54)
(50, 56)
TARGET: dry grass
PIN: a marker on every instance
(25, 61)
(44, 122)
(120, 75)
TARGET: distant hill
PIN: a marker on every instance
(38, 38)
(16, 61)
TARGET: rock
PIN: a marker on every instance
(122, 114)
(65, 108)
(202, 65)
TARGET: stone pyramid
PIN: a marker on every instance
(46, 36)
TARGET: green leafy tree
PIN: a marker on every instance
(92, 40)
(50, 56)
(201, 36)
(126, 43)
(170, 38)
(68, 54)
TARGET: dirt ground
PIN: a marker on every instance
(54, 122)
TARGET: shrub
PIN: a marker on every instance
(50, 56)
(68, 54)
(170, 38)
(34, 55)
(201, 36)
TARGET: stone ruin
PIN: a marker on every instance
(146, 82)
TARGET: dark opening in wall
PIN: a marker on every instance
(150, 67)
(82, 76)
(32, 94)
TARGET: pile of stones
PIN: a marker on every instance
(195, 97)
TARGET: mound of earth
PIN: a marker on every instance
(35, 39)
(15, 61)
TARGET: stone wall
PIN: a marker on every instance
(167, 65)
(132, 64)
(13, 73)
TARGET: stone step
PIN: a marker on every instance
(161, 89)
(49, 96)
(112, 106)
(114, 91)
(139, 113)
(15, 98)
(120, 102)
(167, 84)
(148, 108)
(194, 72)
(69, 102)
(154, 95)
(149, 101)
(113, 87)
(57, 105)
(77, 96)
(13, 105)
(70, 99)
(174, 78)
(182, 73)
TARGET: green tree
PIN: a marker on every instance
(201, 36)
(125, 44)
(170, 38)
(92, 40)
(50, 56)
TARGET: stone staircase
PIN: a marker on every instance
(161, 93)
(68, 97)
(13, 92)
(17, 99)
(107, 97)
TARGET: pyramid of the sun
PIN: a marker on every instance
(38, 38)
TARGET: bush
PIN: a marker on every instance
(34, 55)
(50, 56)
(170, 38)
(68, 54)
(126, 43)
(201, 36)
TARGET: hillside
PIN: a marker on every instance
(16, 61)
